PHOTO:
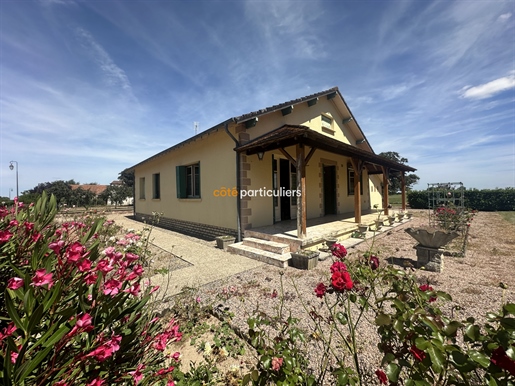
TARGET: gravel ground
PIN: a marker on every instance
(472, 280)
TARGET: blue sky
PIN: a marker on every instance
(88, 88)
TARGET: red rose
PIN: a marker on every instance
(338, 251)
(320, 290)
(417, 353)
(427, 287)
(374, 262)
(500, 359)
(341, 281)
(338, 266)
(383, 379)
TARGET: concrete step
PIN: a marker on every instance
(266, 245)
(278, 260)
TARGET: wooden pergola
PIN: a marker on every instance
(302, 137)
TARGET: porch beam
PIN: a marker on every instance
(310, 154)
(357, 165)
(301, 186)
(403, 190)
(386, 178)
(287, 155)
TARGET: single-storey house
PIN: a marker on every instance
(299, 161)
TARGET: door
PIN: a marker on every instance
(284, 183)
(329, 176)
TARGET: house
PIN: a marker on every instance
(299, 161)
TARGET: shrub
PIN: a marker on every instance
(75, 308)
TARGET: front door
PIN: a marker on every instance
(284, 183)
(329, 189)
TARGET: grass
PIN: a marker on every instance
(508, 216)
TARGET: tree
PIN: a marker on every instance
(60, 189)
(127, 178)
(117, 194)
(395, 182)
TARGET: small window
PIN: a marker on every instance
(142, 188)
(156, 186)
(327, 124)
(188, 181)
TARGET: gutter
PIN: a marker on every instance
(238, 183)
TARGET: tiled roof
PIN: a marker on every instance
(96, 189)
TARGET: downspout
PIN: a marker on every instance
(238, 183)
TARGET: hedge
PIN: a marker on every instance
(485, 200)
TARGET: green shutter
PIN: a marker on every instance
(197, 180)
(180, 175)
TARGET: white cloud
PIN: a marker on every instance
(489, 89)
(114, 74)
(504, 16)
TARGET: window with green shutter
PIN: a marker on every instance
(188, 181)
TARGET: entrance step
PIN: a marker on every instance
(266, 245)
(276, 259)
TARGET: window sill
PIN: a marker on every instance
(328, 130)
(192, 199)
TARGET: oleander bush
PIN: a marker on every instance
(75, 309)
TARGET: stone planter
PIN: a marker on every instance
(330, 242)
(362, 228)
(379, 224)
(391, 220)
(304, 259)
(400, 216)
(223, 241)
(409, 215)
(429, 247)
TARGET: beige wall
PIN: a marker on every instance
(217, 169)
(302, 114)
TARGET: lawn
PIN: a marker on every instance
(508, 216)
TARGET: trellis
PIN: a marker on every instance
(446, 203)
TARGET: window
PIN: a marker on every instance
(188, 181)
(142, 188)
(327, 124)
(156, 186)
(350, 181)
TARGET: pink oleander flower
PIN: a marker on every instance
(83, 324)
(133, 289)
(131, 257)
(137, 375)
(56, 246)
(277, 363)
(75, 251)
(96, 382)
(14, 356)
(104, 266)
(91, 278)
(84, 265)
(165, 371)
(14, 283)
(320, 290)
(137, 271)
(112, 287)
(41, 278)
(107, 349)
(5, 236)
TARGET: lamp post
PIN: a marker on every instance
(11, 166)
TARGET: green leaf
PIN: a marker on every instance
(479, 357)
(509, 308)
(437, 358)
(35, 318)
(508, 323)
(472, 332)
(383, 320)
(11, 310)
(393, 371)
(25, 369)
(57, 336)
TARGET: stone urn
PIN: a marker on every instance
(362, 228)
(391, 220)
(429, 247)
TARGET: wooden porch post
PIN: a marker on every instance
(357, 166)
(386, 176)
(301, 186)
(403, 190)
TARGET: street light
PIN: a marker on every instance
(11, 166)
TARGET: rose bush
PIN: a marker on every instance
(75, 308)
